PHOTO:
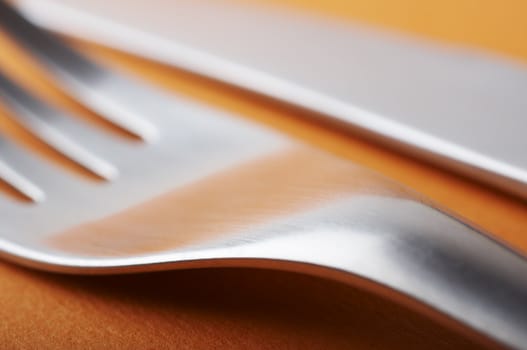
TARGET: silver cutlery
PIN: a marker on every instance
(456, 106)
(208, 189)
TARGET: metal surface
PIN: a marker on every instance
(88, 82)
(214, 190)
(39, 118)
(457, 108)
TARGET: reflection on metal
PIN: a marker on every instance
(461, 109)
(215, 190)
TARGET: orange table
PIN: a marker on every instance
(240, 308)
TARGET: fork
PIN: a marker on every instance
(206, 189)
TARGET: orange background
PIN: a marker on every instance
(262, 309)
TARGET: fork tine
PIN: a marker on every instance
(12, 177)
(47, 178)
(78, 76)
(20, 183)
(38, 117)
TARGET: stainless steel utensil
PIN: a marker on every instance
(213, 190)
(457, 107)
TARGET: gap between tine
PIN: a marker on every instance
(111, 95)
(38, 117)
